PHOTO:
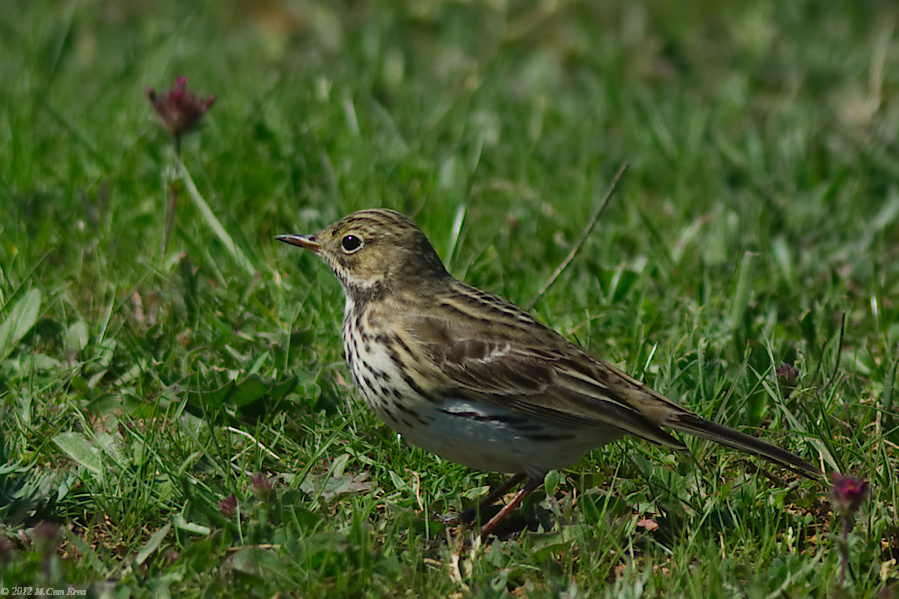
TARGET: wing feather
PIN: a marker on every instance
(544, 382)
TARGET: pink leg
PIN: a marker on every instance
(469, 514)
(526, 490)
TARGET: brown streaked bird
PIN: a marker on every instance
(469, 376)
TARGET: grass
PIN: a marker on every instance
(757, 224)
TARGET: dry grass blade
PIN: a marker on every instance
(580, 242)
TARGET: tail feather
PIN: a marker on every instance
(694, 425)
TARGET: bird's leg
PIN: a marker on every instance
(469, 514)
(527, 489)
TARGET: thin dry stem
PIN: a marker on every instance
(580, 242)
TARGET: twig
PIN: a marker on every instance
(580, 242)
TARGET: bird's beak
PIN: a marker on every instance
(304, 241)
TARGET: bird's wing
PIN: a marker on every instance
(557, 383)
(530, 368)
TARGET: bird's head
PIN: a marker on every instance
(374, 250)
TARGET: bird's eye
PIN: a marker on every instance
(350, 243)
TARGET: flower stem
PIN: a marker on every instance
(174, 186)
(844, 547)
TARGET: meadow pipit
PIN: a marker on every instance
(465, 374)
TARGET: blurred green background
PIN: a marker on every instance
(756, 225)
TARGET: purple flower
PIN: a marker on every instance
(847, 493)
(263, 486)
(179, 108)
(846, 497)
(228, 506)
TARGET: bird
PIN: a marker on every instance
(468, 376)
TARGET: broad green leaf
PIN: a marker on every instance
(241, 394)
(258, 562)
(20, 319)
(211, 400)
(193, 527)
(249, 390)
(152, 544)
(281, 389)
(77, 336)
(79, 448)
(551, 482)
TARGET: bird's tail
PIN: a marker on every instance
(694, 425)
